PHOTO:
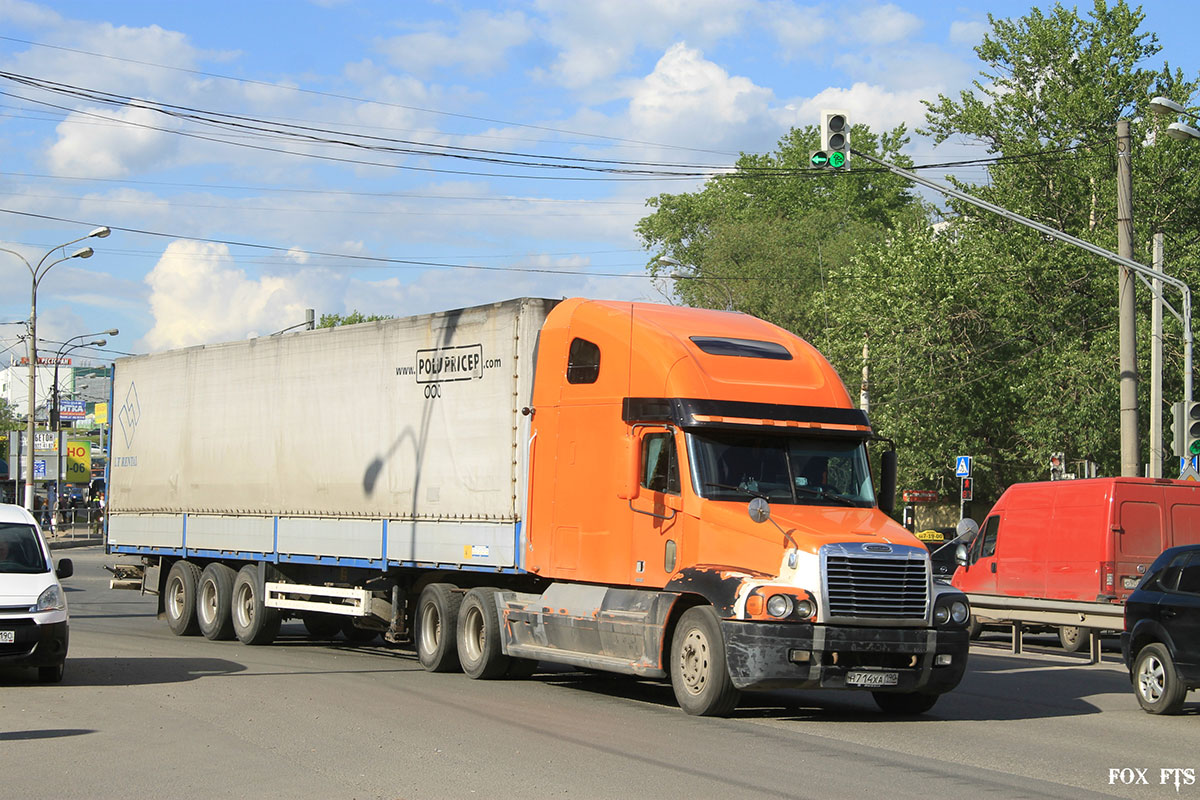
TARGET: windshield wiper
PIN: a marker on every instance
(825, 494)
(742, 489)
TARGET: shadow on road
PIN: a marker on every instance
(128, 671)
(24, 736)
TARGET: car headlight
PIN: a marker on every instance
(959, 612)
(51, 599)
(941, 615)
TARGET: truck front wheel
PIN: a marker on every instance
(699, 675)
(1073, 638)
(179, 598)
(253, 622)
(479, 648)
(437, 623)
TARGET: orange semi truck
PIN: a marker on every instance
(652, 490)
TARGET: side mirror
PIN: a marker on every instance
(886, 497)
(759, 510)
(65, 568)
(628, 488)
(966, 529)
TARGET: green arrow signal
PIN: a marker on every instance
(837, 160)
(819, 159)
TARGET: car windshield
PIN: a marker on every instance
(797, 469)
(20, 551)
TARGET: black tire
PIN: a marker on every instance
(355, 634)
(974, 628)
(214, 597)
(179, 598)
(1073, 638)
(437, 628)
(253, 622)
(1156, 682)
(52, 674)
(699, 674)
(479, 648)
(321, 625)
(904, 703)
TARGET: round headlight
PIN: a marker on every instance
(959, 612)
(805, 608)
(941, 615)
(780, 605)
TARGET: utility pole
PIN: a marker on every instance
(1156, 364)
(864, 396)
(1130, 461)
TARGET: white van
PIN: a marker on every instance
(33, 606)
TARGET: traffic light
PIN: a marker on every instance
(835, 138)
(1191, 435)
(1178, 430)
(967, 493)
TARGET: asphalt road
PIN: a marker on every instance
(143, 713)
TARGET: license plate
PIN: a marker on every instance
(864, 677)
(8, 637)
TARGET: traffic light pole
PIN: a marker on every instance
(1144, 273)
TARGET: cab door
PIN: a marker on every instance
(979, 574)
(655, 511)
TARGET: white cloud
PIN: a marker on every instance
(809, 31)
(198, 295)
(91, 146)
(480, 44)
(881, 25)
(968, 33)
(871, 104)
(687, 99)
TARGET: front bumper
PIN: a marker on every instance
(37, 644)
(764, 655)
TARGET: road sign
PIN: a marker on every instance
(920, 495)
(962, 467)
(1188, 464)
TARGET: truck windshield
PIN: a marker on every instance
(796, 469)
(20, 551)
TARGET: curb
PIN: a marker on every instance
(81, 541)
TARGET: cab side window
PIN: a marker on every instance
(984, 545)
(583, 362)
(660, 464)
(1189, 575)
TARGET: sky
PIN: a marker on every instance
(257, 159)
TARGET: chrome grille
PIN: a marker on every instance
(876, 581)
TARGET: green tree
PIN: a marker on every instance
(353, 318)
(762, 238)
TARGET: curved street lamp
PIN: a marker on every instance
(55, 418)
(37, 273)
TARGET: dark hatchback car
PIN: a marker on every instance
(1161, 641)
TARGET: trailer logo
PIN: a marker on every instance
(439, 365)
(129, 414)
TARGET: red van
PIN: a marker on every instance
(1085, 540)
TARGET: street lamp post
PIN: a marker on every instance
(695, 276)
(36, 274)
(55, 415)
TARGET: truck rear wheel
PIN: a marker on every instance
(479, 648)
(214, 594)
(179, 598)
(1073, 638)
(904, 702)
(699, 675)
(437, 626)
(253, 622)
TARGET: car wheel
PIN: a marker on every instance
(1156, 681)
(1073, 638)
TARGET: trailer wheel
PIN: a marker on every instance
(1156, 681)
(437, 624)
(179, 598)
(1073, 638)
(214, 595)
(699, 674)
(253, 622)
(904, 702)
(321, 625)
(479, 648)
